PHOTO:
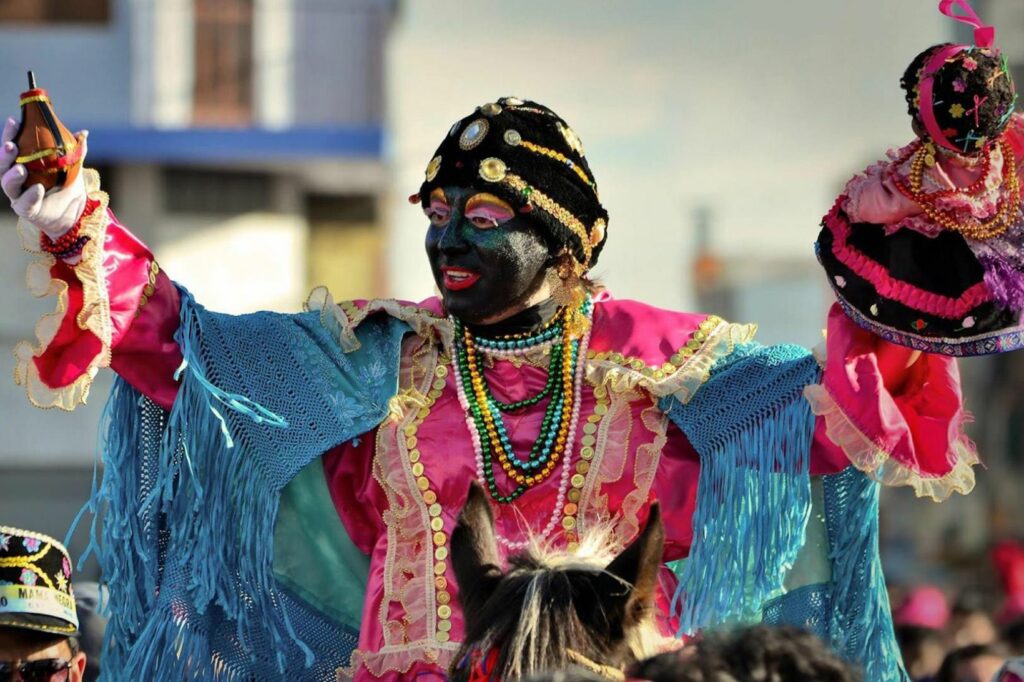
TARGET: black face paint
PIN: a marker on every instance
(485, 274)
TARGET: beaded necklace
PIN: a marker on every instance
(1007, 206)
(483, 410)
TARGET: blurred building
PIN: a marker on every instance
(786, 296)
(241, 139)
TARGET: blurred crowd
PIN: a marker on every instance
(965, 637)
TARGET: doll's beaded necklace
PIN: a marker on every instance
(1009, 201)
(491, 441)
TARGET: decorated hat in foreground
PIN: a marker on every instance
(525, 154)
(35, 583)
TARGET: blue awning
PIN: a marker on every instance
(225, 145)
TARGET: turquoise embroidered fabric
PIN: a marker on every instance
(189, 499)
(753, 432)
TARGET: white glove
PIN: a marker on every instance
(54, 212)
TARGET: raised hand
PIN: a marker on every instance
(53, 213)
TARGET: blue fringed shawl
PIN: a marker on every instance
(753, 432)
(189, 499)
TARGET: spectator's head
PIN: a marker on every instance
(970, 622)
(923, 607)
(92, 624)
(974, 663)
(922, 650)
(38, 620)
(755, 654)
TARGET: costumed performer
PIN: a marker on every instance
(279, 489)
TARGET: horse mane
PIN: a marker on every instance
(550, 602)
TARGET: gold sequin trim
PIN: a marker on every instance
(561, 158)
(571, 510)
(673, 364)
(556, 210)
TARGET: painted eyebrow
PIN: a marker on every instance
(490, 204)
(438, 195)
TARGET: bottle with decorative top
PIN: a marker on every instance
(49, 151)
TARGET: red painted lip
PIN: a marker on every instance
(456, 279)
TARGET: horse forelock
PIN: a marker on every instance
(533, 617)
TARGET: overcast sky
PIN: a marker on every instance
(757, 109)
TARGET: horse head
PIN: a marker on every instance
(550, 610)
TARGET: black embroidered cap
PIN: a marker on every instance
(35, 583)
(525, 154)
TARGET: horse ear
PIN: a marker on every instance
(640, 563)
(475, 557)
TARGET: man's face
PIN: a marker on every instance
(488, 262)
(22, 646)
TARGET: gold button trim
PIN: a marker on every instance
(675, 362)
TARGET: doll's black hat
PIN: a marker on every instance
(525, 154)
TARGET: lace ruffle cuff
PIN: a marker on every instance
(911, 437)
(97, 298)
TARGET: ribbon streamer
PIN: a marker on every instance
(984, 35)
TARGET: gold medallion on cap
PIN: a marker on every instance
(490, 109)
(492, 169)
(474, 134)
(433, 167)
(571, 138)
(513, 137)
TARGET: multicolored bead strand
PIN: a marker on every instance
(485, 411)
(980, 230)
(486, 426)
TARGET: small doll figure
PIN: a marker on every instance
(926, 248)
